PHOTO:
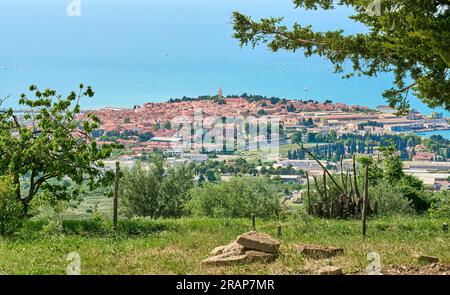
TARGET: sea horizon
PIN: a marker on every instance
(125, 55)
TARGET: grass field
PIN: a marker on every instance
(178, 246)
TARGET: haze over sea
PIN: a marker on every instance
(140, 51)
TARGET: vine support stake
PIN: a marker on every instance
(253, 222)
(308, 191)
(116, 193)
(279, 234)
(365, 201)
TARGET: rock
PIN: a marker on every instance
(257, 256)
(217, 250)
(423, 259)
(223, 259)
(318, 251)
(230, 258)
(259, 241)
(234, 248)
(249, 247)
(330, 270)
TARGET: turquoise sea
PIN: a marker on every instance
(444, 133)
(138, 51)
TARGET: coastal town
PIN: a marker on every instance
(330, 130)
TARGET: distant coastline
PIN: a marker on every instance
(444, 133)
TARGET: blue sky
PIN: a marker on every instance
(136, 51)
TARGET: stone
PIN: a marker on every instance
(217, 250)
(318, 251)
(423, 259)
(230, 258)
(223, 260)
(330, 270)
(259, 241)
(234, 248)
(258, 256)
(249, 247)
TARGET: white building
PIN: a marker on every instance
(195, 158)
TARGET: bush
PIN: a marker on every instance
(413, 189)
(85, 227)
(156, 192)
(389, 199)
(46, 208)
(440, 204)
(238, 197)
(10, 208)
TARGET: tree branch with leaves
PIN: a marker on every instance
(409, 38)
(51, 141)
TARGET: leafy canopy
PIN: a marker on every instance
(51, 140)
(410, 38)
(238, 197)
(155, 190)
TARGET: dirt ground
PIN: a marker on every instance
(431, 269)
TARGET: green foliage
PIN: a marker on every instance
(53, 141)
(413, 189)
(10, 209)
(408, 38)
(49, 210)
(238, 197)
(389, 199)
(392, 164)
(155, 191)
(296, 137)
(440, 204)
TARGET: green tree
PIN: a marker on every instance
(156, 191)
(10, 209)
(238, 197)
(408, 38)
(296, 137)
(392, 164)
(413, 189)
(53, 140)
(389, 199)
(167, 125)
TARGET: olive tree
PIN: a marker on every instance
(10, 210)
(48, 141)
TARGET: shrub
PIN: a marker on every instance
(440, 204)
(238, 197)
(157, 191)
(389, 199)
(10, 208)
(413, 189)
(48, 209)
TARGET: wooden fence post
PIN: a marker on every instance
(325, 194)
(279, 234)
(253, 222)
(308, 191)
(116, 193)
(365, 201)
